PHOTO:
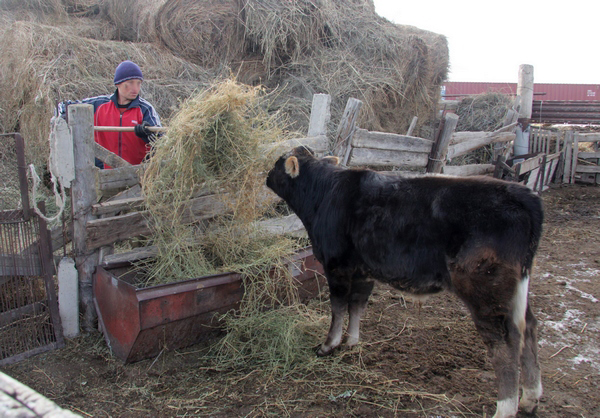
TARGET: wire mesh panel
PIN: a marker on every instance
(29, 320)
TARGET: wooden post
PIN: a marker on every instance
(575, 155)
(320, 115)
(83, 196)
(413, 124)
(568, 152)
(343, 138)
(525, 90)
(437, 158)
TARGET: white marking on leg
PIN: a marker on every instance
(531, 397)
(520, 305)
(354, 325)
(334, 337)
(507, 408)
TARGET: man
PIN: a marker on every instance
(124, 107)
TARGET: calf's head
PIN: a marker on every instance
(290, 166)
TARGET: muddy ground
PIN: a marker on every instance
(412, 363)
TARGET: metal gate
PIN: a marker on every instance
(29, 318)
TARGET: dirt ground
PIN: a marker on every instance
(426, 362)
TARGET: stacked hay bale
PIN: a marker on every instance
(302, 47)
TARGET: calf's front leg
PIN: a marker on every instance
(334, 337)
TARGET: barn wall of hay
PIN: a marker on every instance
(68, 49)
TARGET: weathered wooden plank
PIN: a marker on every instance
(587, 169)
(119, 178)
(568, 160)
(108, 157)
(122, 259)
(458, 137)
(574, 157)
(469, 169)
(388, 141)
(346, 129)
(320, 114)
(530, 164)
(382, 158)
(588, 155)
(110, 207)
(290, 224)
(83, 195)
(439, 151)
(588, 137)
(105, 231)
(411, 127)
(473, 144)
(18, 400)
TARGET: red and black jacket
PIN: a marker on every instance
(126, 145)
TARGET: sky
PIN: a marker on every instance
(488, 41)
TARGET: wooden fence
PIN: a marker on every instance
(580, 153)
(108, 207)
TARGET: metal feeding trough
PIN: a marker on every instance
(139, 323)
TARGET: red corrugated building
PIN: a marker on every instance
(453, 90)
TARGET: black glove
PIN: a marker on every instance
(142, 130)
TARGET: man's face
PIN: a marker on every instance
(129, 90)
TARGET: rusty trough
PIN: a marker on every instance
(139, 323)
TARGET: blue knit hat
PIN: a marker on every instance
(127, 70)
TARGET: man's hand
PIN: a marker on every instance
(142, 130)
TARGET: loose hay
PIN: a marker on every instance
(483, 112)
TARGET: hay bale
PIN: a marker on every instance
(43, 7)
(207, 33)
(123, 14)
(134, 20)
(343, 48)
(483, 112)
(395, 70)
(44, 64)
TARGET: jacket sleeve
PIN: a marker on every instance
(151, 116)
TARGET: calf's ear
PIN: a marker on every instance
(331, 159)
(292, 167)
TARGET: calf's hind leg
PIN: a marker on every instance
(359, 296)
(497, 299)
(530, 368)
